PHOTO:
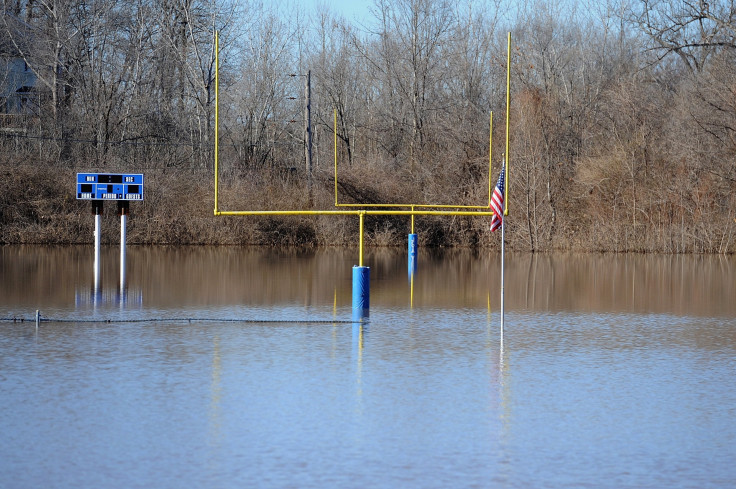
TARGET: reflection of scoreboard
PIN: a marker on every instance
(109, 186)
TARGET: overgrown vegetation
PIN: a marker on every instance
(623, 120)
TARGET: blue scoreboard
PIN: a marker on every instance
(109, 186)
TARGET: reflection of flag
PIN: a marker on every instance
(497, 203)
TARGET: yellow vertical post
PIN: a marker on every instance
(361, 281)
(412, 220)
(411, 292)
(217, 114)
(334, 127)
(508, 111)
(490, 160)
(360, 259)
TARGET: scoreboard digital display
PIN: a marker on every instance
(109, 186)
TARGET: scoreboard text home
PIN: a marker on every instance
(109, 186)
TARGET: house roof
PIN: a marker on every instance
(15, 34)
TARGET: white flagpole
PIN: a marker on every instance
(506, 167)
(503, 226)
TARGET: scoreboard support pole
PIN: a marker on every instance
(97, 211)
(123, 210)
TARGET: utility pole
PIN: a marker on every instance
(308, 131)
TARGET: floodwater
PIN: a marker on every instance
(236, 367)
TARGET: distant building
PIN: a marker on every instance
(18, 94)
(19, 87)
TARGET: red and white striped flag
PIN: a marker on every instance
(497, 202)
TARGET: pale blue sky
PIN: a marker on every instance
(353, 10)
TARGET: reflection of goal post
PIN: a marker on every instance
(360, 280)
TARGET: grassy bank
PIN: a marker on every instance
(38, 206)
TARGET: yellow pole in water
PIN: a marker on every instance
(508, 110)
(217, 110)
(411, 292)
(360, 260)
(490, 160)
(334, 127)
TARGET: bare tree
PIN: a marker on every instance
(266, 91)
(691, 30)
(338, 81)
(413, 38)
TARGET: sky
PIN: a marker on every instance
(352, 10)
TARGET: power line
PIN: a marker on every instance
(107, 143)
(136, 143)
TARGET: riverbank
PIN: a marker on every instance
(38, 206)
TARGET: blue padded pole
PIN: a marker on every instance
(412, 254)
(361, 292)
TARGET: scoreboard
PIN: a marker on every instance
(109, 186)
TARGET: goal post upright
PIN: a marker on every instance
(217, 117)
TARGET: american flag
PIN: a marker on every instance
(497, 202)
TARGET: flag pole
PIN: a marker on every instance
(507, 155)
(503, 229)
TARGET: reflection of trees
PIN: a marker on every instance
(619, 283)
(669, 284)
